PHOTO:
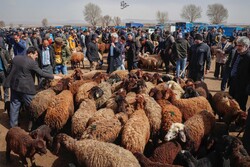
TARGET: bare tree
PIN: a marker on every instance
(217, 13)
(117, 20)
(102, 20)
(107, 20)
(162, 17)
(92, 13)
(2, 24)
(191, 12)
(45, 22)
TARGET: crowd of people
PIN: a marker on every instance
(189, 52)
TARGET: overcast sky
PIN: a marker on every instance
(19, 11)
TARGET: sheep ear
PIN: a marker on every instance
(34, 134)
(182, 136)
(151, 93)
(40, 144)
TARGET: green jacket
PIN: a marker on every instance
(65, 54)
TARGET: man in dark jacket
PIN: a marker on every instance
(19, 45)
(132, 51)
(4, 61)
(92, 52)
(199, 55)
(146, 46)
(240, 73)
(21, 81)
(115, 54)
(180, 49)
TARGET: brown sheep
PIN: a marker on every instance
(81, 116)
(193, 130)
(40, 103)
(136, 131)
(60, 110)
(188, 107)
(96, 153)
(146, 162)
(76, 59)
(166, 152)
(226, 107)
(21, 143)
(83, 91)
(42, 132)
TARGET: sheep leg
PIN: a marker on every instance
(32, 160)
(8, 153)
(82, 64)
(24, 161)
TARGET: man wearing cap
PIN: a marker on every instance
(146, 46)
(222, 52)
(180, 51)
(62, 56)
(199, 55)
(115, 54)
(92, 52)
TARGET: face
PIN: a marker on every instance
(34, 56)
(130, 37)
(241, 48)
(45, 43)
(223, 40)
(16, 37)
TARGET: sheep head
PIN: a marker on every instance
(139, 73)
(77, 75)
(39, 146)
(113, 79)
(95, 92)
(156, 94)
(99, 77)
(190, 92)
(176, 129)
(140, 100)
(147, 76)
(156, 79)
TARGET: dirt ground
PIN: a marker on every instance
(49, 159)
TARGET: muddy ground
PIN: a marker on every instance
(64, 160)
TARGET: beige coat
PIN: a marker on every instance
(221, 57)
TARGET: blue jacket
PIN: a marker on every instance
(20, 48)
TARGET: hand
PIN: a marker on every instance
(207, 71)
(57, 77)
(127, 47)
(113, 44)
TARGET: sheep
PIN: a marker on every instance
(80, 118)
(39, 105)
(153, 112)
(60, 110)
(189, 93)
(95, 153)
(42, 132)
(145, 162)
(75, 59)
(177, 89)
(103, 113)
(21, 143)
(188, 107)
(166, 152)
(194, 129)
(83, 91)
(136, 131)
(106, 130)
(187, 159)
(226, 107)
(121, 73)
(235, 151)
(105, 87)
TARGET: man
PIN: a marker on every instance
(92, 52)
(19, 46)
(72, 41)
(240, 73)
(26, 38)
(21, 81)
(146, 46)
(115, 55)
(224, 48)
(199, 55)
(62, 56)
(4, 60)
(180, 49)
(168, 51)
(211, 37)
(35, 40)
(132, 51)
(46, 58)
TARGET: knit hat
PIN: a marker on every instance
(198, 37)
(59, 40)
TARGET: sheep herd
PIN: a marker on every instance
(132, 119)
